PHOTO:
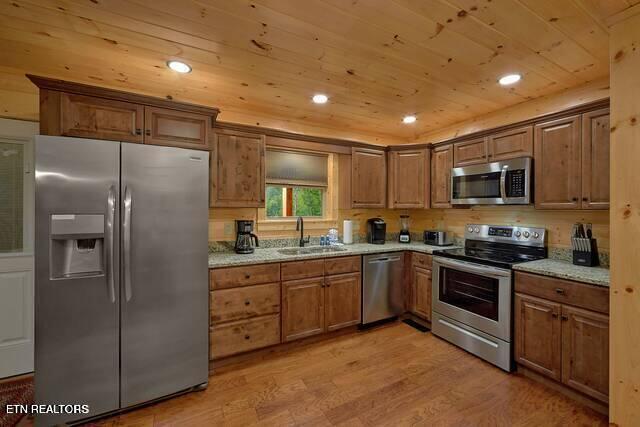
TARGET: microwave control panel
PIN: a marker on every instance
(516, 183)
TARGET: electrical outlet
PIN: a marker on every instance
(228, 229)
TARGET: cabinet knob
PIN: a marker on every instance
(564, 318)
(560, 291)
(585, 199)
(147, 132)
(247, 276)
(554, 315)
(246, 337)
(138, 132)
(575, 199)
(247, 302)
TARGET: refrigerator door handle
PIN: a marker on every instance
(111, 213)
(126, 235)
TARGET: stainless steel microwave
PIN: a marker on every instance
(499, 183)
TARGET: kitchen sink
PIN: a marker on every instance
(308, 251)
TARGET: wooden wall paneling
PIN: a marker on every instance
(368, 178)
(470, 152)
(595, 159)
(441, 164)
(511, 144)
(624, 341)
(237, 170)
(176, 128)
(558, 164)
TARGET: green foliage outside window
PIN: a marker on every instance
(305, 201)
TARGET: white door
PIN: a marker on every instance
(16, 246)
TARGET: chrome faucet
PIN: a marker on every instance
(300, 227)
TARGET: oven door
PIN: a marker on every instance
(473, 294)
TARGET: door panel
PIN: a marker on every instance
(176, 128)
(76, 333)
(368, 178)
(472, 152)
(441, 164)
(557, 164)
(595, 159)
(90, 117)
(585, 351)
(409, 179)
(511, 144)
(343, 300)
(421, 292)
(538, 335)
(165, 310)
(302, 308)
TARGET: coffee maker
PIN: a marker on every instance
(376, 231)
(405, 235)
(245, 238)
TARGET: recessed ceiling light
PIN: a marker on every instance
(408, 119)
(320, 98)
(509, 79)
(179, 66)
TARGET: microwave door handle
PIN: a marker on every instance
(503, 184)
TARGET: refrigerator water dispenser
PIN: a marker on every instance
(77, 246)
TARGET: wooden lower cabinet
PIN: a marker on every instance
(585, 351)
(302, 308)
(421, 292)
(244, 335)
(538, 335)
(244, 302)
(561, 341)
(342, 301)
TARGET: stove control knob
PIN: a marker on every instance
(526, 234)
(477, 230)
(470, 229)
(536, 235)
(518, 234)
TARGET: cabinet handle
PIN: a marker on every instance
(247, 276)
(575, 199)
(328, 286)
(147, 132)
(560, 291)
(564, 318)
(585, 199)
(247, 302)
(554, 315)
(246, 337)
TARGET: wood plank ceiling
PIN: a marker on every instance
(378, 60)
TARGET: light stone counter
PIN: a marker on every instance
(566, 270)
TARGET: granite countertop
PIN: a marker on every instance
(566, 270)
(267, 255)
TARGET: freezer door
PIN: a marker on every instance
(165, 293)
(76, 275)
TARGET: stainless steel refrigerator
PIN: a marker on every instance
(121, 291)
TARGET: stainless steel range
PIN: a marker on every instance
(473, 288)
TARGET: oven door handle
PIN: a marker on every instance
(472, 267)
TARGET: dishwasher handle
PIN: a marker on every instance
(384, 260)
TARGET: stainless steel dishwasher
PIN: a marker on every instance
(382, 290)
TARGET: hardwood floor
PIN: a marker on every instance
(391, 376)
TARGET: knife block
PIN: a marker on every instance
(587, 258)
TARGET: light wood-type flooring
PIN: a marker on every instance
(393, 375)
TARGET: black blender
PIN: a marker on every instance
(405, 235)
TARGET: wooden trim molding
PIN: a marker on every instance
(100, 92)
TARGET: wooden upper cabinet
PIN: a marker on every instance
(176, 128)
(342, 301)
(538, 335)
(302, 308)
(585, 352)
(511, 144)
(441, 164)
(595, 159)
(90, 117)
(368, 178)
(237, 169)
(421, 292)
(558, 164)
(471, 152)
(409, 176)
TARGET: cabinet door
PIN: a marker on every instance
(368, 178)
(557, 164)
(99, 118)
(237, 170)
(511, 144)
(585, 351)
(409, 179)
(537, 335)
(595, 159)
(441, 164)
(342, 300)
(421, 292)
(302, 308)
(470, 152)
(176, 128)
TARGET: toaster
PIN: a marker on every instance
(437, 238)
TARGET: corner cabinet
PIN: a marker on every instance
(409, 178)
(368, 178)
(237, 172)
(441, 164)
(595, 159)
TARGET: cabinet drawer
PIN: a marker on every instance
(244, 302)
(302, 269)
(347, 264)
(244, 335)
(421, 260)
(245, 275)
(563, 291)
